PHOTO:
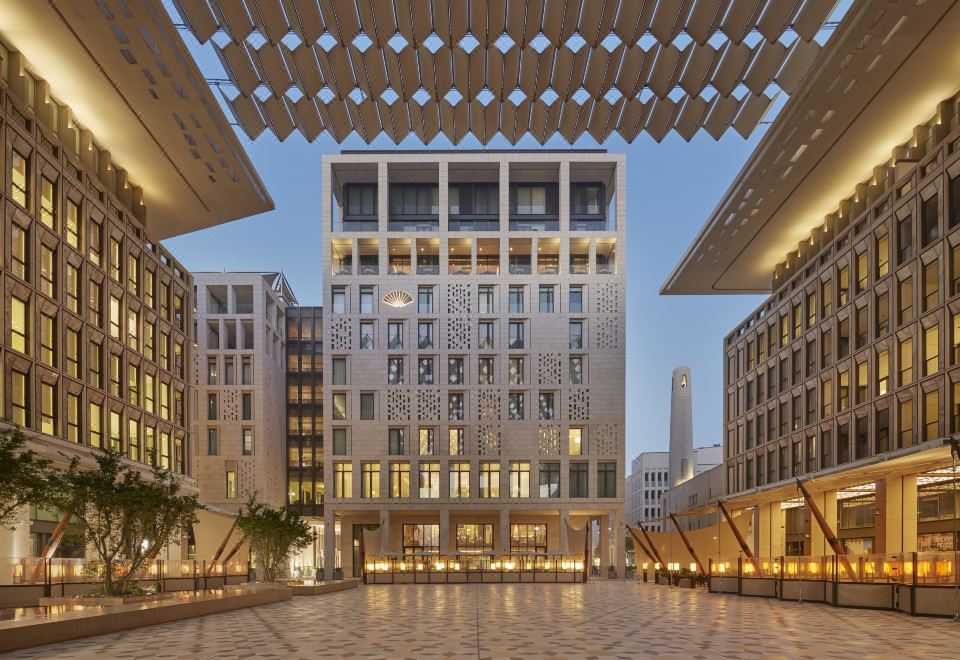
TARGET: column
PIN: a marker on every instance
(383, 197)
(442, 197)
(564, 197)
(604, 545)
(827, 503)
(620, 546)
(504, 531)
(564, 538)
(329, 542)
(385, 545)
(444, 531)
(769, 531)
(896, 527)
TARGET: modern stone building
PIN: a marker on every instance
(846, 377)
(97, 315)
(474, 354)
(648, 480)
(240, 382)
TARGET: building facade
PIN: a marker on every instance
(846, 377)
(648, 480)
(473, 352)
(240, 379)
(98, 165)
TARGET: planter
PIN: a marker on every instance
(104, 601)
(686, 583)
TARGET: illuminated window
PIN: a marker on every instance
(862, 271)
(48, 203)
(73, 224)
(19, 332)
(114, 317)
(399, 480)
(490, 480)
(519, 479)
(115, 264)
(457, 442)
(96, 304)
(459, 480)
(95, 243)
(906, 361)
(73, 288)
(18, 178)
(18, 252)
(370, 480)
(19, 399)
(116, 438)
(133, 384)
(429, 480)
(133, 439)
(931, 285)
(931, 350)
(48, 271)
(905, 288)
(931, 415)
(231, 485)
(73, 417)
(95, 365)
(883, 256)
(48, 340)
(133, 329)
(342, 480)
(575, 441)
(905, 416)
(426, 442)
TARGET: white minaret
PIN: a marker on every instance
(681, 427)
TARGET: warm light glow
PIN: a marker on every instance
(693, 566)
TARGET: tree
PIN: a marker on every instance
(125, 518)
(25, 478)
(273, 535)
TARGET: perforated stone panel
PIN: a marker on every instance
(607, 439)
(488, 440)
(398, 404)
(488, 404)
(578, 403)
(246, 479)
(459, 334)
(608, 333)
(428, 404)
(549, 440)
(550, 368)
(341, 334)
(230, 405)
(607, 298)
(459, 299)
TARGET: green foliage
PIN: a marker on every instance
(125, 518)
(24, 478)
(273, 535)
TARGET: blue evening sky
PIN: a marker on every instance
(672, 188)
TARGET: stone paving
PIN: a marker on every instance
(600, 620)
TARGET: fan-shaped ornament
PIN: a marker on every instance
(398, 299)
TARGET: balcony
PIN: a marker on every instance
(473, 223)
(414, 224)
(458, 266)
(534, 223)
(358, 224)
(588, 223)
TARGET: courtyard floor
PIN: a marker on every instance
(599, 619)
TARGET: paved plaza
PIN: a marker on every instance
(599, 619)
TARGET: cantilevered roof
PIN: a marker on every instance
(507, 66)
(128, 78)
(884, 72)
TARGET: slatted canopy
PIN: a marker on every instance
(512, 67)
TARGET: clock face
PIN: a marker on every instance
(683, 381)
(398, 299)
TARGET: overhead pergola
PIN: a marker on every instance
(513, 67)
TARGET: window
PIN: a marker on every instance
(931, 350)
(399, 481)
(486, 334)
(826, 400)
(339, 371)
(578, 480)
(863, 273)
(883, 256)
(148, 288)
(459, 480)
(338, 299)
(429, 480)
(546, 299)
(246, 406)
(19, 327)
(516, 300)
(114, 317)
(931, 285)
(843, 285)
(48, 272)
(115, 259)
(576, 300)
(575, 369)
(212, 442)
(906, 361)
(929, 220)
(427, 447)
(395, 371)
(474, 538)
(863, 382)
(73, 353)
(48, 412)
(528, 538)
(211, 406)
(95, 243)
(96, 304)
(955, 353)
(607, 479)
(843, 391)
(519, 479)
(904, 240)
(73, 288)
(95, 364)
(826, 300)
(425, 300)
(339, 405)
(424, 335)
(420, 539)
(490, 480)
(549, 480)
(425, 371)
(485, 299)
(343, 480)
(455, 411)
(339, 442)
(395, 442)
(73, 224)
(231, 485)
(73, 417)
(576, 334)
(370, 480)
(19, 400)
(457, 442)
(485, 370)
(366, 300)
(18, 178)
(455, 371)
(116, 439)
(366, 405)
(531, 199)
(883, 372)
(931, 415)
(19, 252)
(133, 384)
(133, 334)
(395, 335)
(905, 288)
(905, 437)
(883, 314)
(515, 406)
(863, 327)
(515, 371)
(516, 334)
(545, 405)
(366, 336)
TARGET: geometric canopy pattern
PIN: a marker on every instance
(512, 67)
